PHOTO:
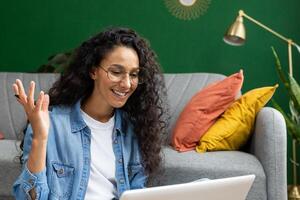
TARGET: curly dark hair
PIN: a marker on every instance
(146, 107)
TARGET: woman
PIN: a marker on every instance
(105, 127)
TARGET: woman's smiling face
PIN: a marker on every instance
(111, 93)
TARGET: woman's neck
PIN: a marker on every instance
(95, 109)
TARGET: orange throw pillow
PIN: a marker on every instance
(202, 111)
(1, 135)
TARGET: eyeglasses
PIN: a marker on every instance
(118, 73)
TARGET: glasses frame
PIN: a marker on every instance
(139, 82)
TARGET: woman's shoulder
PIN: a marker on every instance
(59, 114)
(59, 110)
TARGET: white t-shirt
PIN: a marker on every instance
(102, 180)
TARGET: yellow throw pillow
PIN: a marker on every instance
(232, 130)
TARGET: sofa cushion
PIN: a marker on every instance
(190, 166)
(233, 128)
(203, 110)
(9, 165)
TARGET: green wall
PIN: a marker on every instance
(31, 31)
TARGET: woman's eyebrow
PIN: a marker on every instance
(121, 66)
(117, 65)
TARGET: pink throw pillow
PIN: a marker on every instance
(202, 111)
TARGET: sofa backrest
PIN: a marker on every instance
(180, 88)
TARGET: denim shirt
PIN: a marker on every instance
(68, 158)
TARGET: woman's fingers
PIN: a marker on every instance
(39, 101)
(45, 103)
(30, 97)
(22, 94)
(16, 90)
(42, 102)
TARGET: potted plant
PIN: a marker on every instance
(292, 118)
(56, 63)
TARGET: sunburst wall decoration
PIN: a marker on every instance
(187, 9)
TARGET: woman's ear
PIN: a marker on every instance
(93, 73)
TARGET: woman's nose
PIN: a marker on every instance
(126, 82)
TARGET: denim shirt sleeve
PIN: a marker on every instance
(27, 180)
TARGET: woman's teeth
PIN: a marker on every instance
(120, 93)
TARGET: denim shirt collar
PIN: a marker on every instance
(77, 122)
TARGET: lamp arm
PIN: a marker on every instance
(243, 14)
(289, 41)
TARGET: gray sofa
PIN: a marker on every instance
(265, 157)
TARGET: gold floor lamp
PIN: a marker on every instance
(236, 35)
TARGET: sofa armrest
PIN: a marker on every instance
(269, 145)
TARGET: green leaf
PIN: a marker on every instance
(292, 126)
(294, 113)
(280, 71)
(282, 77)
(295, 90)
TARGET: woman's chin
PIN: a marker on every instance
(118, 104)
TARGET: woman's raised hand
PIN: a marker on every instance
(37, 113)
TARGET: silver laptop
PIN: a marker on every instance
(233, 188)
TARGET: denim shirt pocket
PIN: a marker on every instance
(136, 176)
(62, 176)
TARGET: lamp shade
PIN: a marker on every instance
(236, 34)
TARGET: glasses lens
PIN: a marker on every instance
(115, 75)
